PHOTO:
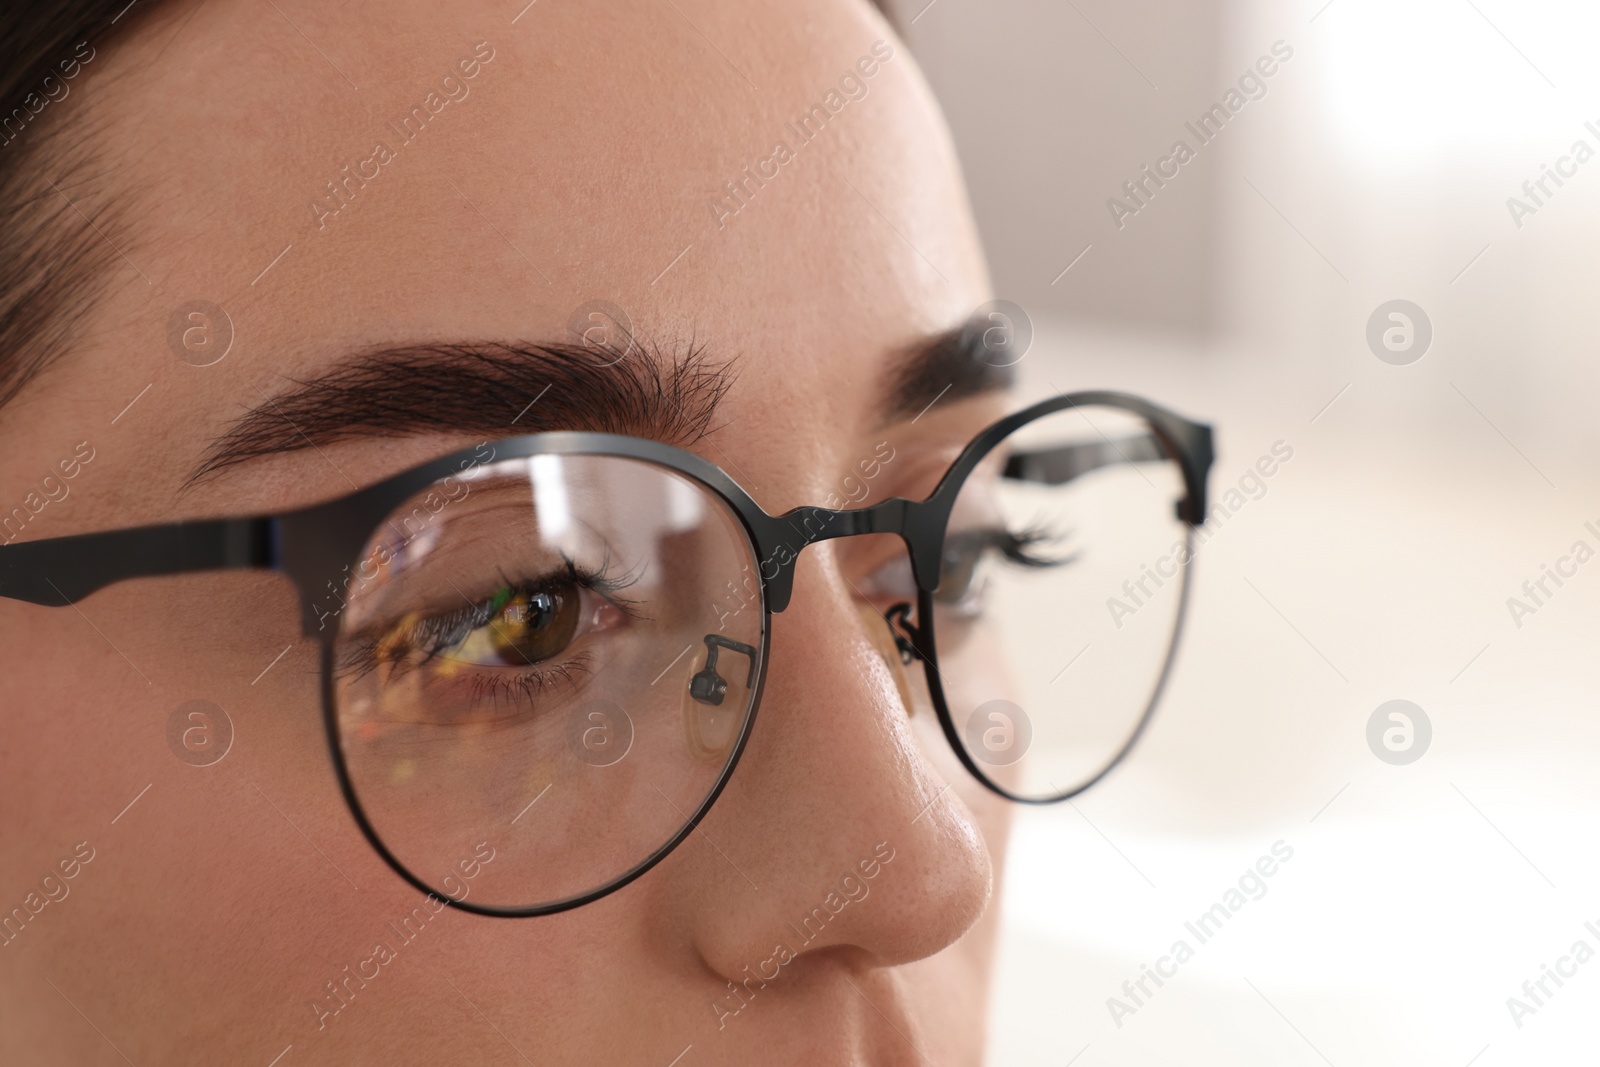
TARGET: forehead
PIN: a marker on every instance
(773, 183)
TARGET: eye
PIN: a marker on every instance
(525, 625)
(521, 624)
(960, 578)
(961, 574)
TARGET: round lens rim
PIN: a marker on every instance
(330, 711)
(927, 643)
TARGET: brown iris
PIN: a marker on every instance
(532, 624)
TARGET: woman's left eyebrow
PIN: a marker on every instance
(953, 365)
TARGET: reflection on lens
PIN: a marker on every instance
(1060, 589)
(537, 661)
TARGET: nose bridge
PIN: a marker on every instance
(837, 747)
(788, 534)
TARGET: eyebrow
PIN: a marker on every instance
(496, 388)
(505, 388)
(953, 365)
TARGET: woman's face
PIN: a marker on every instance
(494, 173)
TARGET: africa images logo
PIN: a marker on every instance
(1252, 85)
(1251, 885)
(852, 889)
(737, 194)
(453, 88)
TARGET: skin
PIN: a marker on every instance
(218, 905)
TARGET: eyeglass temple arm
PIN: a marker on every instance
(63, 570)
(1054, 466)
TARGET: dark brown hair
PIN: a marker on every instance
(58, 243)
(55, 245)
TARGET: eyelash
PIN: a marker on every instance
(525, 687)
(1013, 546)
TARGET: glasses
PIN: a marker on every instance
(542, 658)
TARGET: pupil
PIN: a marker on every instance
(534, 614)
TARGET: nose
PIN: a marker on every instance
(841, 831)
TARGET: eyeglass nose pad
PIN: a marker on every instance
(887, 642)
(715, 700)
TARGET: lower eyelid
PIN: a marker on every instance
(474, 689)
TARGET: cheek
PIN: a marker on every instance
(230, 885)
(197, 860)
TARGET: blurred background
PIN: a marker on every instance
(1377, 162)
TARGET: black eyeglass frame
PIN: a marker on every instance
(316, 546)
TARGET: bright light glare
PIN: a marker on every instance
(550, 495)
(1408, 77)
